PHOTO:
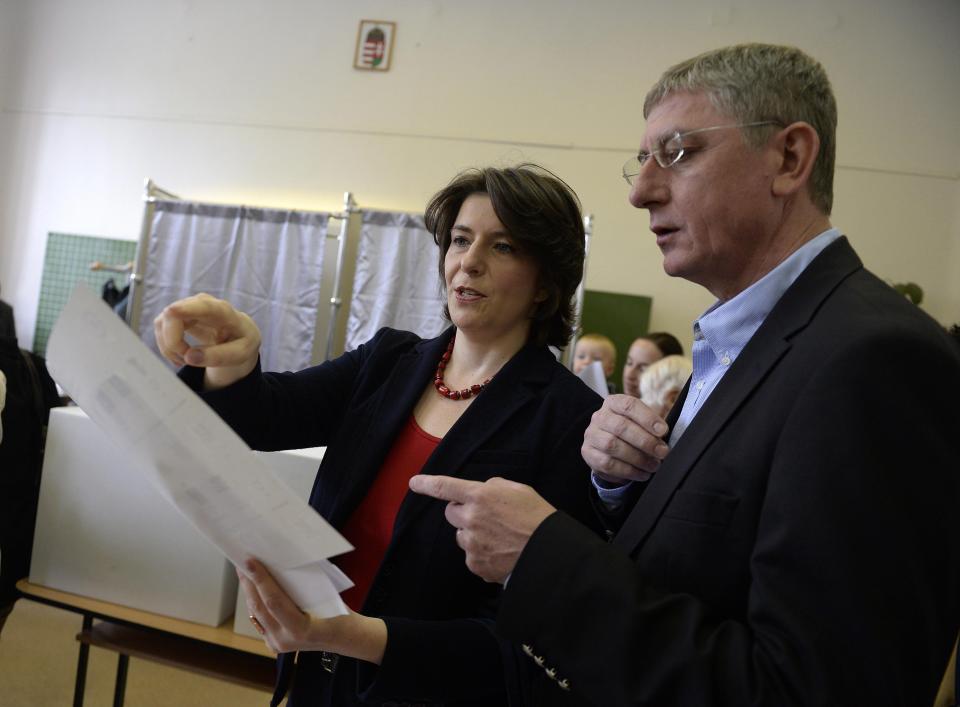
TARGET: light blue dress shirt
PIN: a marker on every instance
(722, 332)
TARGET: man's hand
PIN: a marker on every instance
(625, 440)
(494, 519)
(228, 341)
(285, 628)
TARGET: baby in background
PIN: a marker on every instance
(594, 347)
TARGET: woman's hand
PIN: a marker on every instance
(228, 341)
(286, 628)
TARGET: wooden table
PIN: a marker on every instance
(215, 652)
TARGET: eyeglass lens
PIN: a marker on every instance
(667, 154)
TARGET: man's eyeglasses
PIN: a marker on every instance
(671, 149)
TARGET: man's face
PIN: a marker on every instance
(713, 212)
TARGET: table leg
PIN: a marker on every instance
(81, 682)
(121, 686)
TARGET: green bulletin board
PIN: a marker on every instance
(621, 317)
(67, 262)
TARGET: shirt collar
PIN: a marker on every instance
(728, 326)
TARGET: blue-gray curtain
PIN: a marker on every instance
(396, 283)
(266, 262)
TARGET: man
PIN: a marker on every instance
(794, 538)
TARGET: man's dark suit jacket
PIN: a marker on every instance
(527, 425)
(800, 545)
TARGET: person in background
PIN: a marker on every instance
(484, 398)
(8, 328)
(789, 535)
(643, 351)
(595, 347)
(26, 396)
(662, 382)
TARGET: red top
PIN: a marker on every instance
(370, 527)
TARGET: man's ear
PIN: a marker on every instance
(797, 147)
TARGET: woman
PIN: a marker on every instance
(663, 381)
(643, 351)
(486, 398)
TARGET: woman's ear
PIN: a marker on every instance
(797, 147)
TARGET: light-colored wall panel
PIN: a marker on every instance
(11, 17)
(953, 276)
(257, 102)
(562, 71)
(904, 229)
(10, 53)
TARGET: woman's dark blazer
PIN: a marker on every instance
(527, 425)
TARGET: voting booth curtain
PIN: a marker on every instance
(266, 262)
(270, 264)
(396, 282)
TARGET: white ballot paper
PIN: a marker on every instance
(592, 375)
(192, 456)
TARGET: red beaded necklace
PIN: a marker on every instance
(443, 389)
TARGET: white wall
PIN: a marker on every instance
(257, 102)
(10, 14)
(952, 315)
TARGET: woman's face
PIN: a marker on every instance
(641, 354)
(492, 285)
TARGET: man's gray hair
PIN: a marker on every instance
(760, 82)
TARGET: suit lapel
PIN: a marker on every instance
(761, 354)
(521, 379)
(674, 413)
(736, 385)
(398, 397)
